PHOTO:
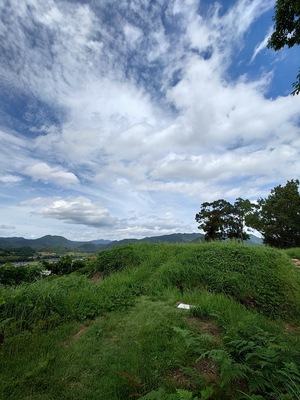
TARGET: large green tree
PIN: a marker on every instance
(235, 219)
(278, 216)
(222, 220)
(287, 29)
(211, 219)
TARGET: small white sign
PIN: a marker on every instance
(185, 306)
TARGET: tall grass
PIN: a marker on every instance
(122, 337)
(46, 303)
(293, 252)
(257, 277)
(261, 278)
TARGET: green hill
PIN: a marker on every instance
(44, 242)
(115, 332)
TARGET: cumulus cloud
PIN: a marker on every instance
(140, 225)
(78, 210)
(42, 171)
(82, 211)
(151, 119)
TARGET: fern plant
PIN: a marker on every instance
(251, 364)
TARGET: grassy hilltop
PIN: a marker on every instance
(113, 331)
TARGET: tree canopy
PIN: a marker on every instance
(222, 220)
(287, 29)
(278, 216)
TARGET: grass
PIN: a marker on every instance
(293, 253)
(122, 337)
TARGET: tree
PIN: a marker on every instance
(287, 29)
(236, 217)
(222, 220)
(278, 216)
(63, 266)
(211, 218)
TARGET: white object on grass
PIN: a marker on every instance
(185, 306)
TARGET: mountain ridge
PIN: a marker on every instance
(54, 241)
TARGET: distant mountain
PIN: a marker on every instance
(174, 238)
(254, 240)
(53, 242)
(99, 241)
(50, 242)
(13, 242)
(91, 247)
(44, 242)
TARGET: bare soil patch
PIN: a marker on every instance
(205, 326)
(291, 328)
(188, 378)
(182, 380)
(296, 262)
(208, 369)
(97, 277)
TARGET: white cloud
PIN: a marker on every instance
(10, 179)
(42, 171)
(132, 34)
(7, 227)
(262, 45)
(78, 210)
(82, 211)
(46, 65)
(152, 120)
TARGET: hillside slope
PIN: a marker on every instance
(116, 333)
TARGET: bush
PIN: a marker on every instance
(12, 275)
(66, 265)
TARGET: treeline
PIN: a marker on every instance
(11, 275)
(64, 266)
(276, 217)
(15, 255)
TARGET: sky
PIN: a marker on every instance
(118, 118)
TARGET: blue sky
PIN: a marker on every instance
(119, 118)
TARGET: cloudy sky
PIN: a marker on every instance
(118, 118)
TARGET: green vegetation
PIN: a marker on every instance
(16, 274)
(222, 220)
(293, 252)
(287, 29)
(15, 255)
(114, 331)
(276, 217)
(12, 275)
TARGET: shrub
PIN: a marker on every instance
(12, 275)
